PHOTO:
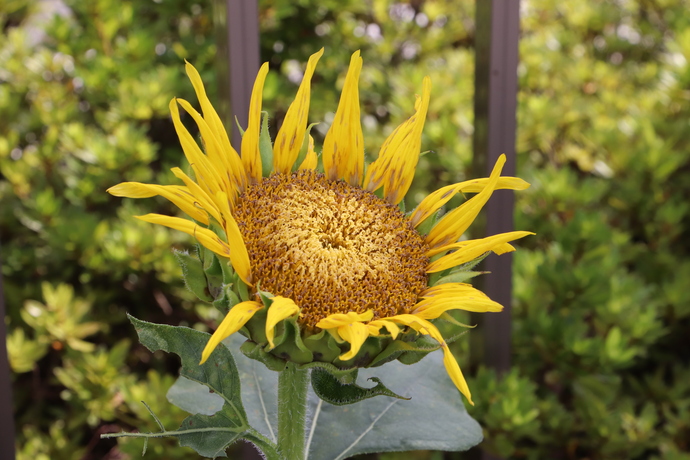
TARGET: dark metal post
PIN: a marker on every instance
(237, 30)
(496, 88)
(6, 409)
(495, 103)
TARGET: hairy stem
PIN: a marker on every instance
(292, 409)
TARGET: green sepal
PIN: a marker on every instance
(255, 328)
(466, 266)
(227, 299)
(241, 288)
(458, 277)
(288, 342)
(194, 275)
(427, 224)
(330, 389)
(228, 272)
(323, 346)
(401, 205)
(447, 317)
(256, 351)
(212, 265)
(265, 147)
(304, 149)
(422, 347)
(239, 127)
(398, 348)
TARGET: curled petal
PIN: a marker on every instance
(205, 236)
(394, 168)
(356, 334)
(210, 115)
(435, 200)
(455, 374)
(291, 135)
(179, 196)
(342, 319)
(451, 227)
(425, 327)
(251, 157)
(343, 147)
(200, 195)
(225, 161)
(239, 255)
(375, 327)
(467, 251)
(236, 318)
(205, 174)
(280, 309)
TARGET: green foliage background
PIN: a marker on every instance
(601, 308)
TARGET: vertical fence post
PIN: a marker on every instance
(237, 39)
(6, 409)
(496, 48)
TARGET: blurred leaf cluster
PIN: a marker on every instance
(601, 309)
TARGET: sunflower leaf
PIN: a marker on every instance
(329, 388)
(194, 276)
(209, 435)
(434, 419)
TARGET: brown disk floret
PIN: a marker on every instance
(331, 247)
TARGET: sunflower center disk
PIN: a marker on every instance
(331, 247)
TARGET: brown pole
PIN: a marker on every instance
(6, 409)
(496, 51)
(237, 30)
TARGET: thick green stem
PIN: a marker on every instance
(292, 410)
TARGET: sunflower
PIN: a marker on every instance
(324, 248)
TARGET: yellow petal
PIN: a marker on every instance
(236, 318)
(451, 227)
(179, 196)
(375, 327)
(205, 236)
(437, 300)
(455, 374)
(394, 168)
(425, 327)
(210, 116)
(342, 319)
(291, 135)
(470, 250)
(311, 160)
(280, 308)
(435, 200)
(251, 157)
(343, 147)
(356, 334)
(132, 190)
(204, 172)
(503, 249)
(239, 255)
(199, 194)
(225, 161)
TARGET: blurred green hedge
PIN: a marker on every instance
(601, 308)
